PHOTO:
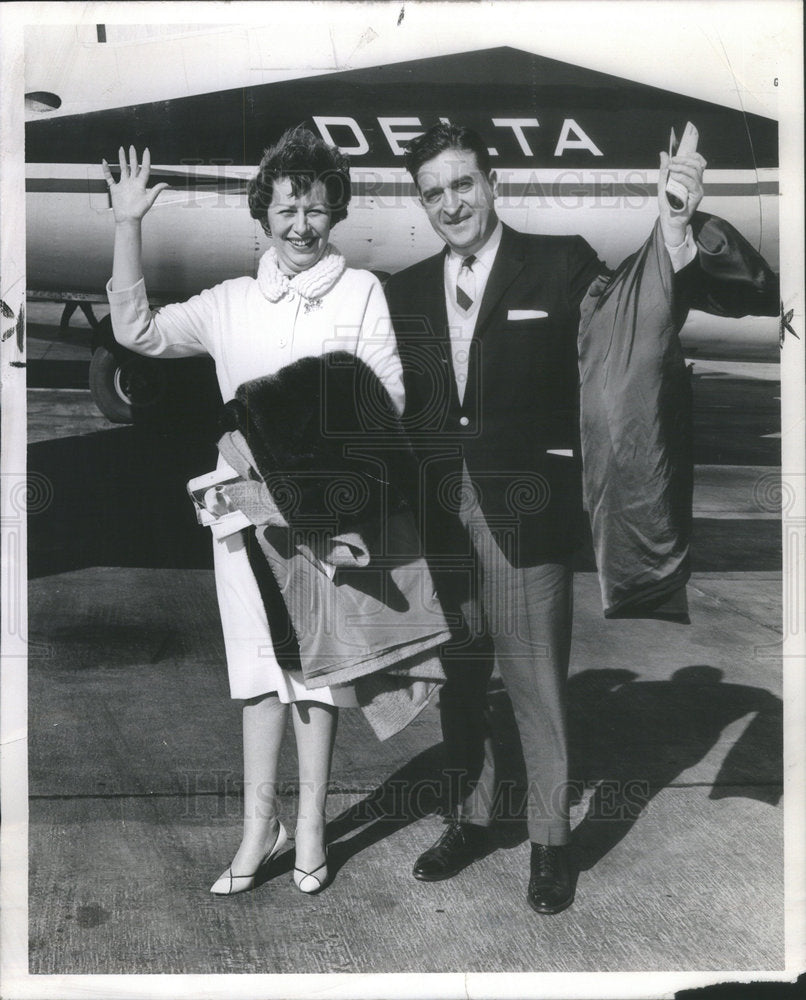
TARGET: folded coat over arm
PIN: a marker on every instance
(325, 468)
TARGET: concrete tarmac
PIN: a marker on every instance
(135, 756)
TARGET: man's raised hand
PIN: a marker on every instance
(687, 170)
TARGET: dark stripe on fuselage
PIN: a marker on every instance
(628, 122)
(74, 185)
(387, 188)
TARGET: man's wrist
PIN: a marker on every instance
(682, 252)
(674, 234)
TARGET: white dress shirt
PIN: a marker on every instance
(461, 324)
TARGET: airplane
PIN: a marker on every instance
(575, 150)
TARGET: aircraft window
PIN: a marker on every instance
(41, 101)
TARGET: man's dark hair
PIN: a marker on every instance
(441, 137)
(304, 159)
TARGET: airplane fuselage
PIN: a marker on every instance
(576, 151)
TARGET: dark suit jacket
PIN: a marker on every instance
(521, 401)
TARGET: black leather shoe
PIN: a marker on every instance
(551, 886)
(459, 845)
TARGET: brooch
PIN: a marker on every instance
(311, 305)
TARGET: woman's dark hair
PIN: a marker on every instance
(304, 159)
(441, 137)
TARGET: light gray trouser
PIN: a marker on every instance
(528, 613)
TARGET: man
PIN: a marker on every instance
(487, 333)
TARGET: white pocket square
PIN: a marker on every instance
(526, 314)
(565, 452)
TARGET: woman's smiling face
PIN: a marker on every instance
(300, 225)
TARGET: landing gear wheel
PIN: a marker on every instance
(124, 385)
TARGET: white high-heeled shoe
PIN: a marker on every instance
(312, 882)
(229, 885)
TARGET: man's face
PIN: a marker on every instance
(459, 199)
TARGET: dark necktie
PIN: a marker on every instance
(466, 284)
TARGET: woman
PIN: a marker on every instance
(303, 302)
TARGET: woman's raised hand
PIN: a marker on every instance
(130, 197)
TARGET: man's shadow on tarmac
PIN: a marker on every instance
(629, 740)
(633, 738)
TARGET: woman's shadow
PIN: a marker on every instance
(410, 794)
(629, 739)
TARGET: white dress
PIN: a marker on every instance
(248, 335)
